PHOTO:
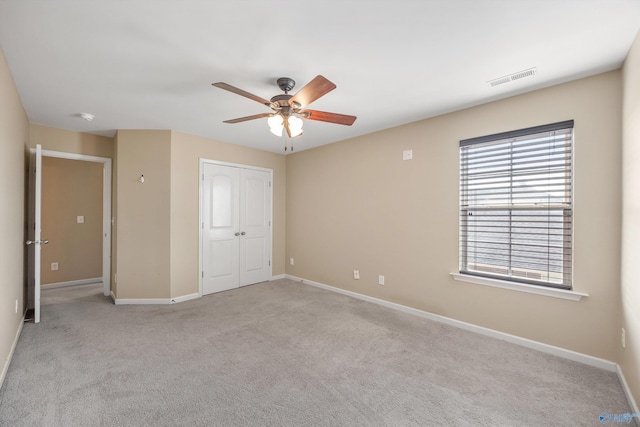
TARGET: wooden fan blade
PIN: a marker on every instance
(244, 119)
(322, 116)
(241, 92)
(316, 88)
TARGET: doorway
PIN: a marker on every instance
(235, 232)
(71, 222)
(35, 223)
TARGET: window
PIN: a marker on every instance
(516, 205)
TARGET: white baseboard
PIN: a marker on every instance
(163, 301)
(184, 298)
(535, 345)
(5, 368)
(627, 392)
(71, 283)
(152, 301)
(141, 301)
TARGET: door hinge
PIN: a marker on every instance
(203, 274)
(269, 263)
(269, 184)
(203, 177)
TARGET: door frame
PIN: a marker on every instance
(34, 231)
(106, 209)
(202, 162)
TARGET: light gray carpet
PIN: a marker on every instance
(282, 354)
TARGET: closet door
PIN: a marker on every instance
(221, 228)
(236, 227)
(255, 226)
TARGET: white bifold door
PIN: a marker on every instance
(236, 227)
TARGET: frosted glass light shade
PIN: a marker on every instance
(275, 124)
(295, 126)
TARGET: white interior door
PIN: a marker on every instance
(35, 227)
(221, 228)
(236, 227)
(255, 226)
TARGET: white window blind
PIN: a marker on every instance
(516, 205)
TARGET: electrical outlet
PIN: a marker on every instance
(407, 155)
(80, 219)
(54, 266)
(356, 274)
(381, 280)
(623, 338)
(290, 261)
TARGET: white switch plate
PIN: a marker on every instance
(54, 266)
(624, 340)
(407, 155)
(381, 280)
(290, 261)
(356, 274)
(80, 219)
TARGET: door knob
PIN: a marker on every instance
(237, 234)
(36, 242)
(243, 233)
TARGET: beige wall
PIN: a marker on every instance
(630, 356)
(186, 150)
(71, 188)
(69, 141)
(357, 205)
(156, 225)
(14, 133)
(143, 211)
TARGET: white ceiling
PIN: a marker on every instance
(149, 64)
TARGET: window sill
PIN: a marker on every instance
(520, 287)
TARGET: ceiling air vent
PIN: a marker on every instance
(511, 77)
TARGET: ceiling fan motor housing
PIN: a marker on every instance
(281, 100)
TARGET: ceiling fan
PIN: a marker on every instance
(288, 110)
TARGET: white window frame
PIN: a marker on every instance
(543, 287)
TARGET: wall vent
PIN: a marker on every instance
(511, 77)
(500, 81)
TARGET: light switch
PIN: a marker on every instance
(80, 219)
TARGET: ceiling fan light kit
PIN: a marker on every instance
(288, 110)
